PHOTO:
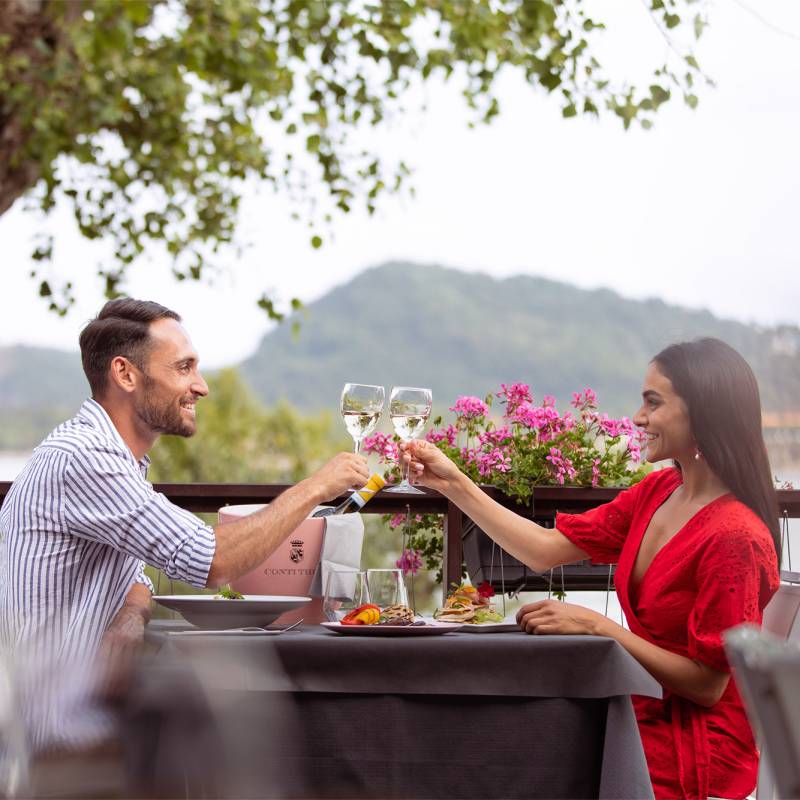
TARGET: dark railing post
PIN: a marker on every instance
(453, 554)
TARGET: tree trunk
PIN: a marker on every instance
(14, 180)
(23, 22)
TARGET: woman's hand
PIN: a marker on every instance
(429, 465)
(553, 616)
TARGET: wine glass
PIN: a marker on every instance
(387, 587)
(345, 591)
(409, 409)
(361, 407)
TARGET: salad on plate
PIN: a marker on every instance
(469, 605)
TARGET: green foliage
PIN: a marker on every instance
(239, 441)
(147, 117)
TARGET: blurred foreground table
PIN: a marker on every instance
(313, 714)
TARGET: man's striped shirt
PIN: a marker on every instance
(76, 529)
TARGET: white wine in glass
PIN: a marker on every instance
(409, 409)
(361, 407)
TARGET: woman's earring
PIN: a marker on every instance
(697, 455)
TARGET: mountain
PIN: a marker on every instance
(456, 332)
(465, 333)
(39, 388)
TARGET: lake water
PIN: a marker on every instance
(11, 463)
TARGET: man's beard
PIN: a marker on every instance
(162, 417)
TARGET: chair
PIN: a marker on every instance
(767, 672)
(781, 617)
(14, 758)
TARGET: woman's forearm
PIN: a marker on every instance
(683, 676)
(540, 548)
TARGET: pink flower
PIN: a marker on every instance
(561, 466)
(470, 408)
(584, 400)
(548, 401)
(409, 561)
(495, 437)
(537, 418)
(448, 434)
(615, 427)
(397, 521)
(382, 444)
(497, 460)
(596, 472)
(636, 442)
(514, 395)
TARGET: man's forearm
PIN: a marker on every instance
(244, 544)
(137, 601)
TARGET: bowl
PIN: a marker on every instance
(213, 613)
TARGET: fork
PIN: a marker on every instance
(230, 631)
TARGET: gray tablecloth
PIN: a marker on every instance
(477, 715)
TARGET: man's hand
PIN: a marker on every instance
(122, 640)
(242, 545)
(553, 616)
(342, 472)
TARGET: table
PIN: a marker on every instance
(311, 713)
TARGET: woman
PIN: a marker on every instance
(696, 548)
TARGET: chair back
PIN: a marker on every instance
(782, 619)
(782, 614)
(14, 756)
(767, 672)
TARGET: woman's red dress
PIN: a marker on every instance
(718, 571)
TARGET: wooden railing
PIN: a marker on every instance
(546, 501)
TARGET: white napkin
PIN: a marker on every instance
(341, 549)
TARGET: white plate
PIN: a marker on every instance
(430, 628)
(491, 627)
(255, 610)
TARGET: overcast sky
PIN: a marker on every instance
(701, 211)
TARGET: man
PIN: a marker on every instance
(80, 522)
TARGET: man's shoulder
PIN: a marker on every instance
(79, 436)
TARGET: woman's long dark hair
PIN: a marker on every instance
(721, 396)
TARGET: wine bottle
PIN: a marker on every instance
(357, 500)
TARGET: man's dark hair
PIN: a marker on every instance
(122, 328)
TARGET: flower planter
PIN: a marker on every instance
(486, 561)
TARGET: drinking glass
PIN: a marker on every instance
(409, 409)
(387, 587)
(361, 407)
(345, 590)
